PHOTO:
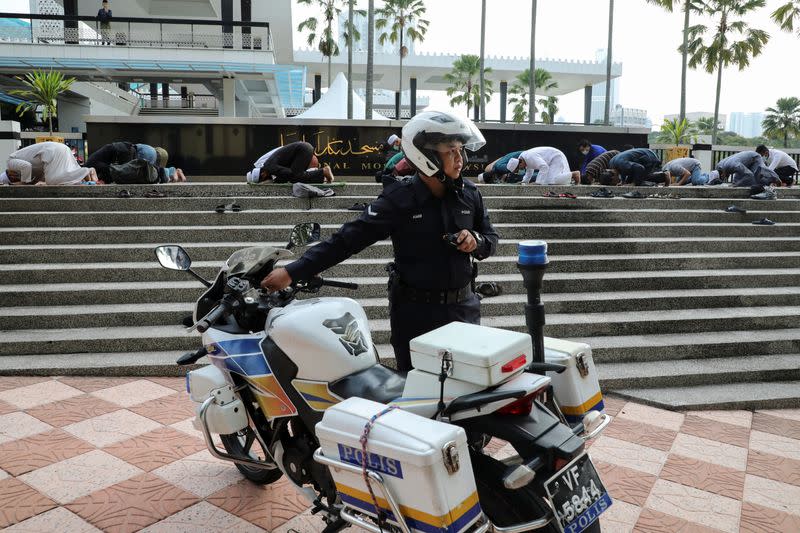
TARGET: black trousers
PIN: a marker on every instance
(409, 320)
(290, 164)
(786, 174)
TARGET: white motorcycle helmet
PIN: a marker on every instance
(426, 130)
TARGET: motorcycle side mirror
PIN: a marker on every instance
(304, 234)
(173, 257)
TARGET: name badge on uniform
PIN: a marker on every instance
(465, 211)
(418, 216)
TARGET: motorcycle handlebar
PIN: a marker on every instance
(211, 318)
(340, 284)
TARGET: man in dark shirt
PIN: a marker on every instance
(294, 163)
(431, 281)
(104, 16)
(637, 165)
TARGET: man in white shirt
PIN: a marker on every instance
(551, 163)
(779, 161)
(48, 162)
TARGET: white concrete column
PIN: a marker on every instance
(704, 154)
(228, 97)
(9, 140)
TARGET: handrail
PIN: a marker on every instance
(84, 18)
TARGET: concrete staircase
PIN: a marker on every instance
(685, 305)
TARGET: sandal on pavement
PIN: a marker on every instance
(358, 206)
(633, 194)
(602, 193)
(489, 288)
(124, 193)
(154, 194)
(228, 208)
(763, 222)
(550, 194)
(567, 195)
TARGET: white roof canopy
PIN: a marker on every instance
(333, 103)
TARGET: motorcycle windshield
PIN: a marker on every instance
(247, 261)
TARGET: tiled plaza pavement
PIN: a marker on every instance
(120, 454)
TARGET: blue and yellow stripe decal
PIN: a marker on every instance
(458, 519)
(316, 394)
(407, 402)
(575, 413)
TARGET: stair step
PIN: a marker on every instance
(96, 364)
(686, 372)
(757, 395)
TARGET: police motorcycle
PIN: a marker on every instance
(295, 387)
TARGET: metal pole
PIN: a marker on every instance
(370, 56)
(532, 78)
(481, 103)
(609, 57)
(350, 59)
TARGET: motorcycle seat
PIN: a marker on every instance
(377, 383)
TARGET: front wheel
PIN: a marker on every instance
(506, 507)
(244, 443)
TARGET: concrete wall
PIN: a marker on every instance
(9, 140)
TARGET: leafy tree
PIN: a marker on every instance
(730, 41)
(324, 37)
(549, 109)
(463, 87)
(520, 90)
(676, 131)
(401, 20)
(42, 90)
(705, 125)
(782, 120)
(787, 14)
(688, 7)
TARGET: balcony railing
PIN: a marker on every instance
(139, 32)
(197, 101)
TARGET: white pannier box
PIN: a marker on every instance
(411, 454)
(577, 389)
(481, 355)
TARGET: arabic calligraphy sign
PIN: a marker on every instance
(230, 148)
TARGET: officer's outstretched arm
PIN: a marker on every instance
(373, 225)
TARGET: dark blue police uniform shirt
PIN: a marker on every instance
(416, 220)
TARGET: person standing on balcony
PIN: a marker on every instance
(104, 16)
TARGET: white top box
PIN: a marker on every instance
(481, 355)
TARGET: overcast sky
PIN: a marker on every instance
(645, 41)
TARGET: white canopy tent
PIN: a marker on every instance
(333, 103)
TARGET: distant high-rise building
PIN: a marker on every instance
(746, 124)
(695, 115)
(598, 112)
(629, 117)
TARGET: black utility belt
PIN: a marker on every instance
(409, 294)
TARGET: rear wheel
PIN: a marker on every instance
(506, 507)
(245, 443)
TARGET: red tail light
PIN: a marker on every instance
(520, 407)
(559, 463)
(513, 364)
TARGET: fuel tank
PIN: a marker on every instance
(327, 338)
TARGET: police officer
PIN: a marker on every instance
(431, 280)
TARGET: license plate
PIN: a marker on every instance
(577, 494)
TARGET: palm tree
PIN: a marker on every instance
(689, 6)
(325, 40)
(609, 58)
(482, 88)
(370, 58)
(549, 109)
(531, 83)
(676, 131)
(783, 119)
(786, 15)
(463, 89)
(42, 89)
(520, 92)
(705, 125)
(404, 21)
(731, 41)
